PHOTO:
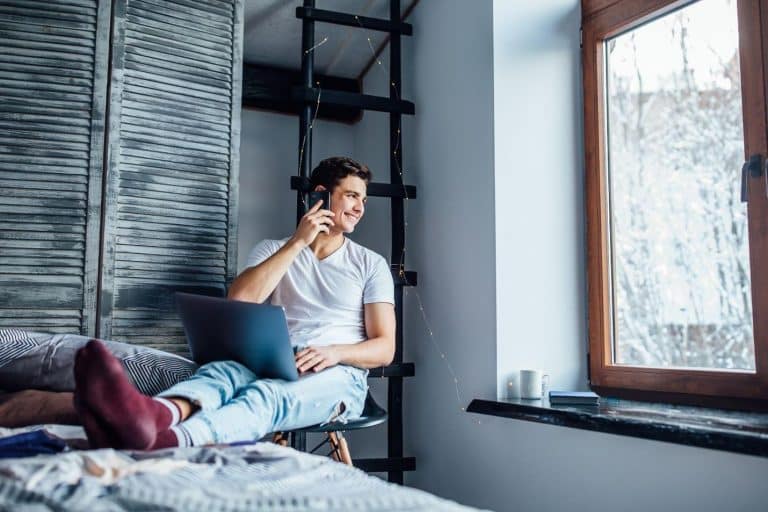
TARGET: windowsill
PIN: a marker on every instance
(740, 432)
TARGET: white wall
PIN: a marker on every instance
(496, 235)
(540, 289)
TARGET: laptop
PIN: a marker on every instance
(254, 335)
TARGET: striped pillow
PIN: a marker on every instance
(31, 360)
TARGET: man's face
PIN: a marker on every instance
(348, 203)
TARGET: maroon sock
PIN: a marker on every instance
(114, 413)
(165, 439)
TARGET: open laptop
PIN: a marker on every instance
(255, 335)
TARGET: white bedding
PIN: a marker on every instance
(259, 476)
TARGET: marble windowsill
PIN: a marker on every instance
(741, 432)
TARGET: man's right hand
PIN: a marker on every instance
(314, 222)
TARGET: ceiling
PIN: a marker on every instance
(272, 35)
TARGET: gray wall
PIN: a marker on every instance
(496, 235)
(497, 238)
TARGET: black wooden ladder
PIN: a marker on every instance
(395, 463)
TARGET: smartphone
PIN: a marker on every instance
(319, 195)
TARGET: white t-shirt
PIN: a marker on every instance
(323, 299)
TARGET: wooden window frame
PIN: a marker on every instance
(602, 19)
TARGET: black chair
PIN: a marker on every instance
(372, 415)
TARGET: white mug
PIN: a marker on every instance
(533, 383)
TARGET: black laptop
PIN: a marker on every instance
(255, 335)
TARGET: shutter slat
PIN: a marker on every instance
(46, 8)
(27, 13)
(38, 21)
(183, 253)
(169, 181)
(197, 165)
(162, 259)
(40, 152)
(22, 47)
(18, 80)
(174, 145)
(35, 136)
(70, 41)
(43, 256)
(174, 62)
(171, 192)
(169, 242)
(39, 143)
(181, 40)
(160, 90)
(176, 196)
(59, 119)
(44, 61)
(170, 267)
(186, 130)
(142, 20)
(41, 245)
(136, 218)
(144, 98)
(218, 11)
(142, 107)
(186, 277)
(43, 227)
(178, 85)
(184, 19)
(6, 314)
(39, 262)
(40, 172)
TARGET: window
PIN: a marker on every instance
(676, 220)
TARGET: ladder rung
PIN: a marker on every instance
(350, 99)
(394, 370)
(385, 464)
(350, 20)
(374, 189)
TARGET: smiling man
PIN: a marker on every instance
(338, 298)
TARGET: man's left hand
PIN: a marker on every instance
(315, 359)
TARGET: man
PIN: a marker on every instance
(338, 297)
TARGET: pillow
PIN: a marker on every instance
(32, 360)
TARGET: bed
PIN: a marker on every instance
(35, 374)
(258, 476)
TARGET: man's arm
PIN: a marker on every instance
(377, 350)
(256, 284)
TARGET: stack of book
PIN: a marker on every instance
(573, 398)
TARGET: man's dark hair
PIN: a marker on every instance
(331, 171)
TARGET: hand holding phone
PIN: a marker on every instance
(317, 219)
(318, 195)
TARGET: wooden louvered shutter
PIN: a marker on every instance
(170, 208)
(52, 97)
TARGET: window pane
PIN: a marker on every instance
(680, 277)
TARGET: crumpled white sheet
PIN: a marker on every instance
(259, 476)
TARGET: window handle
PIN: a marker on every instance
(753, 166)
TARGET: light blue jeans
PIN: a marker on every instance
(235, 405)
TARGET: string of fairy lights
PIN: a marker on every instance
(401, 263)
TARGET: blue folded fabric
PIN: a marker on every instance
(30, 443)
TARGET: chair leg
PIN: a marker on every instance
(340, 448)
(280, 438)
